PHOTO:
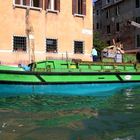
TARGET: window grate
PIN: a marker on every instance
(78, 47)
(19, 43)
(51, 45)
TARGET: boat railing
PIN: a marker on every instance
(69, 66)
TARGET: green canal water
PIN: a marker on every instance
(42, 117)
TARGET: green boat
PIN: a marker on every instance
(68, 77)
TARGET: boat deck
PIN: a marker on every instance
(70, 66)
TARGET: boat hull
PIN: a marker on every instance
(89, 89)
(66, 83)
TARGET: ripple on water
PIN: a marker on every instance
(41, 117)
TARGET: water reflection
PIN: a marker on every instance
(39, 117)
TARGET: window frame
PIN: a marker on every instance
(15, 48)
(52, 6)
(74, 49)
(52, 50)
(29, 4)
(79, 8)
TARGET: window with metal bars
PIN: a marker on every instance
(19, 43)
(78, 47)
(51, 45)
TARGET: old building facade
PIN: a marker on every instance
(33, 30)
(111, 22)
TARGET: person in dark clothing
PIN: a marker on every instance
(138, 57)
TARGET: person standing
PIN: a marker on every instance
(138, 57)
(94, 55)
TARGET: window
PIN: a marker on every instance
(79, 7)
(107, 13)
(107, 1)
(97, 26)
(35, 3)
(97, 12)
(117, 10)
(78, 47)
(51, 45)
(53, 5)
(138, 40)
(19, 43)
(21, 2)
(117, 27)
(31, 3)
(137, 3)
(108, 28)
(138, 20)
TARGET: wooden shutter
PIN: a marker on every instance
(46, 4)
(28, 2)
(41, 3)
(84, 7)
(74, 5)
(57, 5)
(17, 1)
